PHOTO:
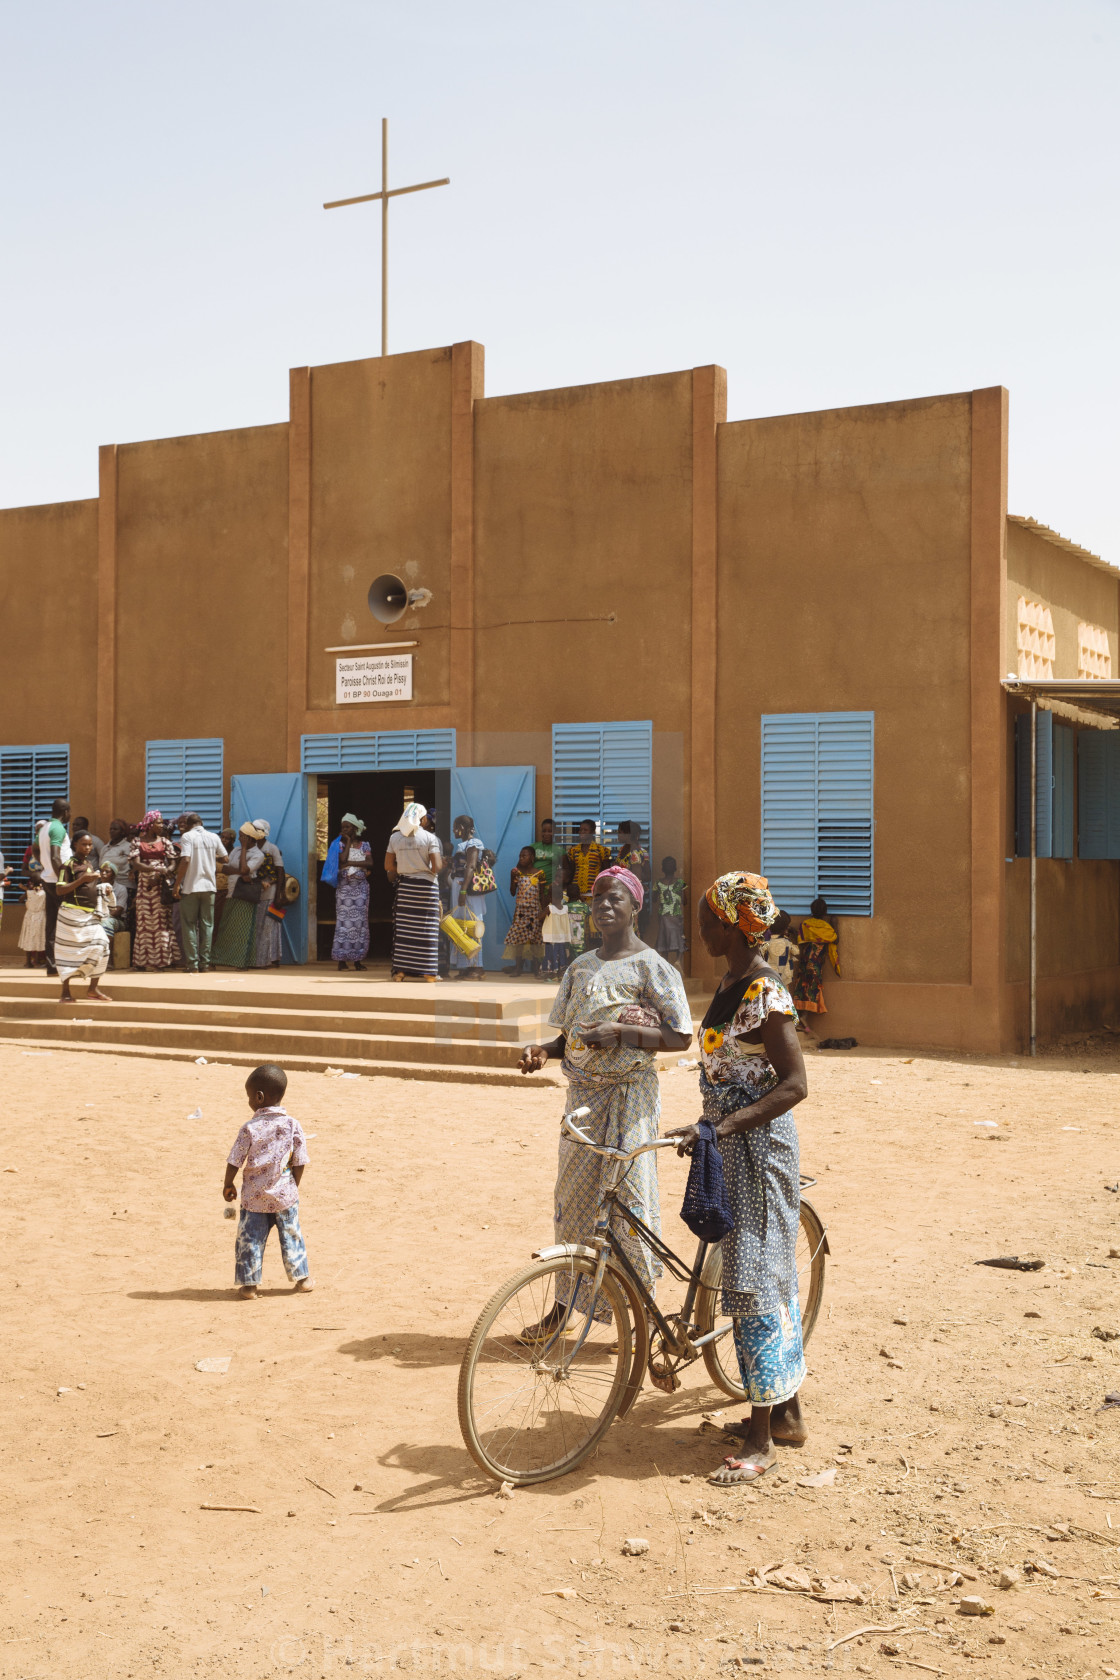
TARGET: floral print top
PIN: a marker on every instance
(733, 1054)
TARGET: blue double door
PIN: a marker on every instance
(500, 799)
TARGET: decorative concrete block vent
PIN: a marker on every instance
(1093, 657)
(1035, 639)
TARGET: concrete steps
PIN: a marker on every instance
(472, 1033)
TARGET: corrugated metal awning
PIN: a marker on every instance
(1099, 696)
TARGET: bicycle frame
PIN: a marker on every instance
(603, 1241)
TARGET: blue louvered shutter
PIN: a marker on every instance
(789, 809)
(383, 749)
(1064, 780)
(31, 779)
(818, 796)
(602, 773)
(1098, 793)
(1044, 787)
(186, 776)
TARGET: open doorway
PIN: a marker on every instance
(377, 798)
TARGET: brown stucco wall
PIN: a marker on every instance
(1072, 588)
(844, 586)
(48, 593)
(583, 510)
(380, 502)
(201, 540)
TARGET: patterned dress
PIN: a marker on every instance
(762, 1170)
(351, 916)
(524, 936)
(620, 1087)
(155, 944)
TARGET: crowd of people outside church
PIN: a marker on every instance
(184, 897)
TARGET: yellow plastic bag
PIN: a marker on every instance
(458, 935)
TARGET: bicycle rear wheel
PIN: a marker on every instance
(720, 1357)
(531, 1411)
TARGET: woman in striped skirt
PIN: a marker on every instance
(412, 862)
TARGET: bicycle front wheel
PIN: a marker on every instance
(534, 1406)
(720, 1358)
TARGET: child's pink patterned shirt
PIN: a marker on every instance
(266, 1147)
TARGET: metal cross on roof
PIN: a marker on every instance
(385, 195)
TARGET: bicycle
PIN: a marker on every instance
(536, 1397)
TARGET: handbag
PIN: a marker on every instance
(483, 880)
(247, 888)
(706, 1210)
(166, 890)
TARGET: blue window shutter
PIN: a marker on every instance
(31, 779)
(1092, 794)
(1023, 785)
(818, 810)
(627, 794)
(186, 776)
(789, 809)
(1098, 793)
(1064, 780)
(602, 773)
(1044, 785)
(386, 749)
(845, 811)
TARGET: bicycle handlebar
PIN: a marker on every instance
(568, 1125)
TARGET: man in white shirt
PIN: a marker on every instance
(54, 851)
(196, 882)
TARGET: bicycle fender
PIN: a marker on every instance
(559, 1251)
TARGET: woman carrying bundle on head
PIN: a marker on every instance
(616, 1007)
(751, 1077)
(413, 861)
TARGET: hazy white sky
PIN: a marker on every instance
(839, 203)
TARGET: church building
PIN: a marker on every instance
(781, 644)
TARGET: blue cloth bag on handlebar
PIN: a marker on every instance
(706, 1210)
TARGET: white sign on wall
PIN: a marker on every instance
(378, 676)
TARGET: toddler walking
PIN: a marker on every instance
(271, 1150)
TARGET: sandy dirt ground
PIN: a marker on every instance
(958, 1405)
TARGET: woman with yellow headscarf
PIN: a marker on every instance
(751, 1077)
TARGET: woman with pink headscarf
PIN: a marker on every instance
(616, 1007)
(153, 858)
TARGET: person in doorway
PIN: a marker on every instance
(670, 895)
(269, 945)
(815, 937)
(588, 858)
(54, 851)
(196, 885)
(116, 853)
(529, 892)
(751, 1078)
(557, 929)
(349, 861)
(235, 944)
(413, 861)
(81, 943)
(153, 858)
(33, 930)
(470, 883)
(616, 1008)
(82, 826)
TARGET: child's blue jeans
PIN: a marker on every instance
(252, 1234)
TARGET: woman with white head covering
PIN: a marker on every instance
(346, 869)
(271, 877)
(412, 862)
(235, 942)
